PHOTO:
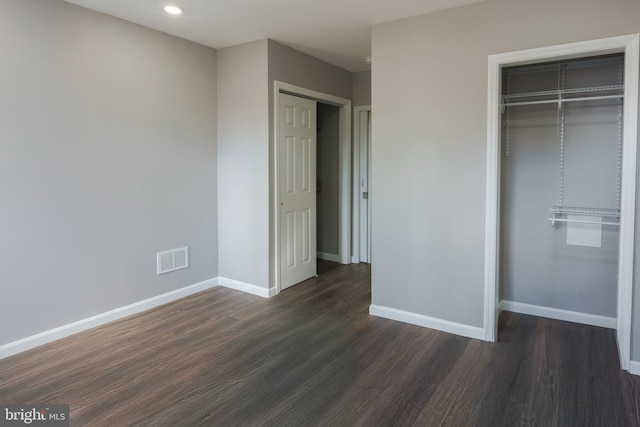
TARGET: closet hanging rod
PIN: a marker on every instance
(554, 220)
(559, 101)
(564, 91)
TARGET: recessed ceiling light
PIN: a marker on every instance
(174, 10)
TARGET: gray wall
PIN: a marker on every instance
(538, 266)
(245, 148)
(328, 167)
(429, 93)
(361, 88)
(243, 163)
(294, 67)
(107, 156)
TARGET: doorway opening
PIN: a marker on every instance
(328, 182)
(344, 175)
(627, 46)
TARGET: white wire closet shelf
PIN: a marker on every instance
(563, 95)
(610, 88)
(559, 213)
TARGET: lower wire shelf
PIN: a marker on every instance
(600, 213)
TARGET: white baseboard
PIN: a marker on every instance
(45, 337)
(427, 322)
(329, 257)
(247, 287)
(559, 314)
(634, 367)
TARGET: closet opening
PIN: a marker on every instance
(560, 188)
(628, 46)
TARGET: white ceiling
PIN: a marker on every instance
(336, 31)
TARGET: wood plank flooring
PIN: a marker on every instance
(313, 356)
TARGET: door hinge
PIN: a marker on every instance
(365, 194)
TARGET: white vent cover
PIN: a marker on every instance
(173, 260)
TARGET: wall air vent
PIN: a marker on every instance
(173, 260)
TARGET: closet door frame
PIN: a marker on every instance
(629, 46)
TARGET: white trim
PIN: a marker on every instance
(559, 314)
(629, 44)
(246, 287)
(344, 156)
(426, 321)
(45, 337)
(356, 182)
(492, 219)
(328, 257)
(634, 367)
(628, 199)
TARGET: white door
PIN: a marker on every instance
(297, 189)
(365, 191)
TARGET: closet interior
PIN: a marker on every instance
(560, 187)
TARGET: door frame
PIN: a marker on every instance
(344, 159)
(629, 46)
(356, 181)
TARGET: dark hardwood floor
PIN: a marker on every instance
(313, 356)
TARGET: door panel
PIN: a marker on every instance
(306, 159)
(297, 189)
(365, 191)
(290, 244)
(289, 164)
(306, 237)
